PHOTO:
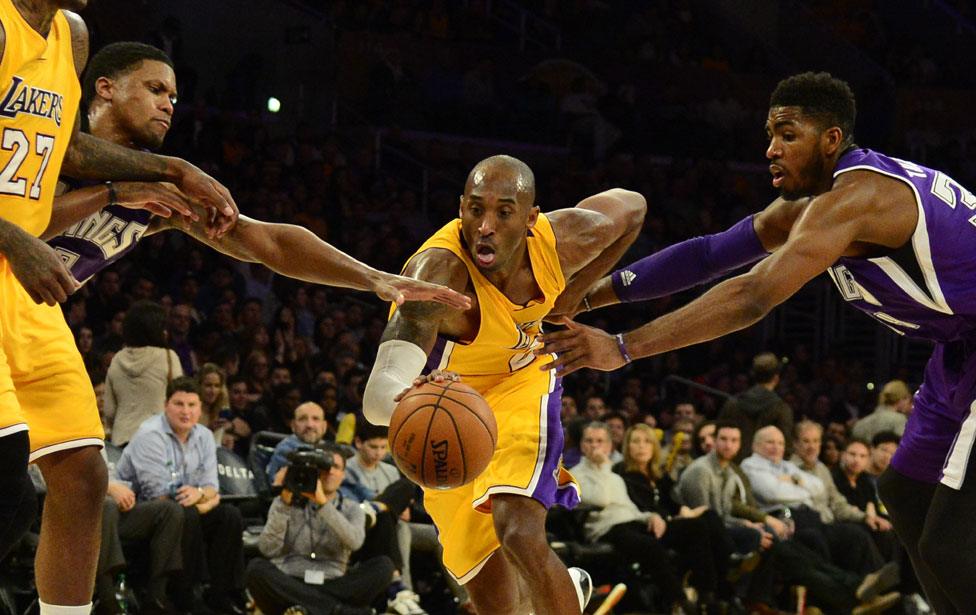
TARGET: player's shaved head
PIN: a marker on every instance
(503, 174)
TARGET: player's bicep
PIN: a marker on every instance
(597, 222)
(79, 40)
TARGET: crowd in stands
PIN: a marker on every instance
(761, 484)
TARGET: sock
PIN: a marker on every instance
(54, 609)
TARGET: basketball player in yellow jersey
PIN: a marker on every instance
(43, 384)
(517, 265)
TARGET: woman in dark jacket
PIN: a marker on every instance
(697, 535)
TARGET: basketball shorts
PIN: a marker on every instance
(44, 387)
(941, 430)
(527, 462)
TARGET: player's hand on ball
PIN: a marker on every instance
(578, 346)
(399, 289)
(438, 375)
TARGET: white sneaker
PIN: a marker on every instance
(583, 584)
(405, 603)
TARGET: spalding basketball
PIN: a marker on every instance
(442, 435)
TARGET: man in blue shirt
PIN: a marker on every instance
(173, 456)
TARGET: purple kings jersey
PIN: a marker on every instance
(926, 288)
(100, 239)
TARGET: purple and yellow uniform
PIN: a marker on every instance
(499, 363)
(43, 384)
(926, 289)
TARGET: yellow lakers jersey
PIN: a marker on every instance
(508, 332)
(39, 97)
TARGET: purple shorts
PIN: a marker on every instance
(941, 429)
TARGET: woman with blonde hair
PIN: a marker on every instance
(698, 535)
(891, 414)
(214, 398)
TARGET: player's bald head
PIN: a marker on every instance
(503, 174)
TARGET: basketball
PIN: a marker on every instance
(442, 435)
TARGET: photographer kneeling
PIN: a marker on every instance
(310, 534)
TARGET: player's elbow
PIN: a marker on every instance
(633, 205)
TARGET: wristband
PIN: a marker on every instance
(623, 348)
(113, 197)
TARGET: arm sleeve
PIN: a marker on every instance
(689, 263)
(397, 363)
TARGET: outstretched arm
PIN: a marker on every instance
(825, 230)
(698, 260)
(410, 335)
(296, 252)
(161, 199)
(592, 237)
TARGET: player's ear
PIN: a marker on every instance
(833, 139)
(460, 204)
(104, 88)
(533, 216)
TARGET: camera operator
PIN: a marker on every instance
(311, 532)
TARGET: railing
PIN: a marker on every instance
(691, 384)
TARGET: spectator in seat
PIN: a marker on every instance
(173, 457)
(650, 489)
(883, 447)
(704, 440)
(308, 426)
(780, 485)
(677, 454)
(852, 481)
(636, 535)
(759, 405)
(618, 427)
(717, 482)
(831, 505)
(158, 522)
(309, 546)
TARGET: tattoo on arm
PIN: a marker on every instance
(416, 322)
(89, 157)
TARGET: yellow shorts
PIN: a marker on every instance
(43, 383)
(527, 461)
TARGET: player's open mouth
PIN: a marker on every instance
(777, 172)
(485, 255)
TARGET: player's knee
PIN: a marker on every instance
(521, 540)
(78, 475)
